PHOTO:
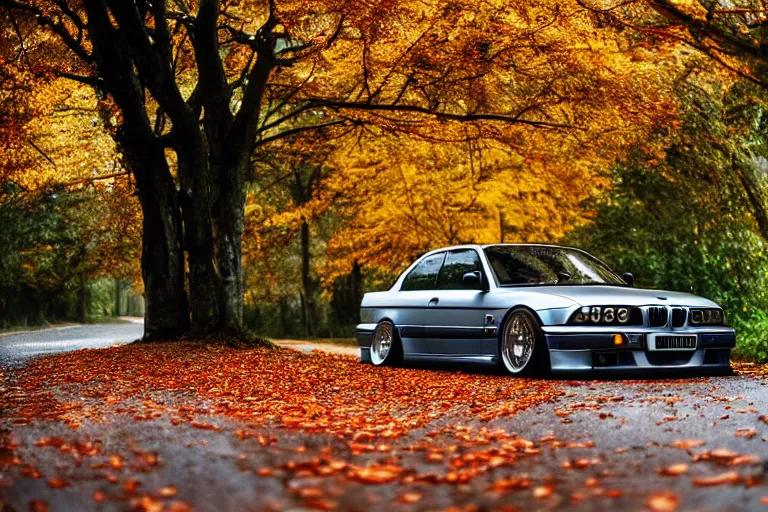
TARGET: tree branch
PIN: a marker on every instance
(345, 105)
(31, 143)
(97, 178)
(56, 26)
(93, 81)
(295, 131)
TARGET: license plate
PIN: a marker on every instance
(659, 341)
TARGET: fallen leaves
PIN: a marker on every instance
(57, 483)
(38, 506)
(687, 444)
(409, 498)
(663, 502)
(510, 484)
(726, 457)
(747, 433)
(673, 470)
(729, 477)
(168, 491)
(411, 435)
(315, 393)
(377, 474)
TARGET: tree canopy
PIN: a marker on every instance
(277, 148)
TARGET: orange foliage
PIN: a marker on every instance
(317, 392)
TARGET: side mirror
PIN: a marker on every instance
(629, 278)
(473, 280)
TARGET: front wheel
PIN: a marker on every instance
(386, 349)
(521, 344)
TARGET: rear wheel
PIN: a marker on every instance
(386, 349)
(521, 344)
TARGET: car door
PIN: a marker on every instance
(417, 289)
(455, 316)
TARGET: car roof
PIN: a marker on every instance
(483, 246)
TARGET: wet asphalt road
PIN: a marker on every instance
(16, 348)
(627, 431)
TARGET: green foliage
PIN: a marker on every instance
(683, 220)
(51, 254)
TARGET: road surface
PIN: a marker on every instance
(18, 347)
(689, 444)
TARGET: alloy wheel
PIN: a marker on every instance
(518, 342)
(381, 344)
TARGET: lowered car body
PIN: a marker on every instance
(530, 307)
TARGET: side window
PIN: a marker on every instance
(424, 275)
(456, 265)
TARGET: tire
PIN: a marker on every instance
(523, 359)
(386, 348)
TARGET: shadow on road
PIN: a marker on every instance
(595, 375)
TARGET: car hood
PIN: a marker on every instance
(595, 295)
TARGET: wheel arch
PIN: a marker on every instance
(509, 312)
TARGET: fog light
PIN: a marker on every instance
(618, 339)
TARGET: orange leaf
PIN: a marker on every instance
(674, 470)
(409, 497)
(687, 444)
(57, 483)
(663, 502)
(730, 477)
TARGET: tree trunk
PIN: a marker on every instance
(118, 287)
(307, 295)
(285, 318)
(162, 259)
(204, 279)
(230, 220)
(82, 301)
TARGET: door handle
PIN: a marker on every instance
(434, 301)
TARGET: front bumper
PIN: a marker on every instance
(587, 349)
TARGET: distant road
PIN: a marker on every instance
(16, 348)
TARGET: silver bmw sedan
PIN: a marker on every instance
(534, 309)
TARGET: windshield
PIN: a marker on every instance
(521, 265)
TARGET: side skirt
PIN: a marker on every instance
(482, 359)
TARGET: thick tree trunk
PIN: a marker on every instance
(204, 278)
(166, 313)
(231, 215)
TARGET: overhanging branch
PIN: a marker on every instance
(506, 118)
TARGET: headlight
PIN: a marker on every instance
(708, 316)
(607, 315)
